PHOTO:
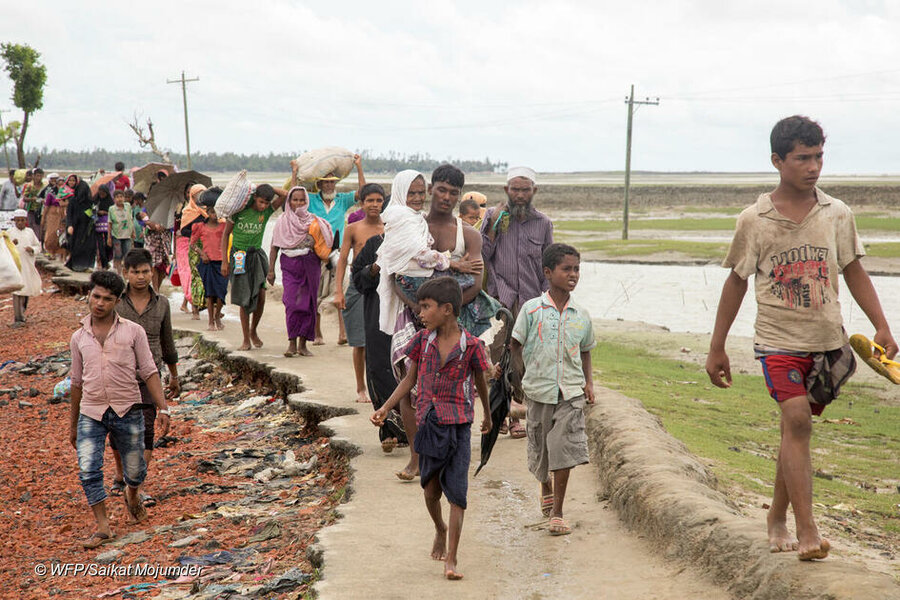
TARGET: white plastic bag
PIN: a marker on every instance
(10, 276)
(234, 197)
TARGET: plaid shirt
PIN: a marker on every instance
(448, 387)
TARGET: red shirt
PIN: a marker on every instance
(122, 182)
(211, 237)
(447, 387)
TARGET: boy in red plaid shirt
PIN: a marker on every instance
(445, 361)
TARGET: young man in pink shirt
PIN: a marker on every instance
(108, 356)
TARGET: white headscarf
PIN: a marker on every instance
(405, 236)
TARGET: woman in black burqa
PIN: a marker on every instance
(81, 239)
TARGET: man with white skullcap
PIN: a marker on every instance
(514, 236)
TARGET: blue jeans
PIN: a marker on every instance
(128, 433)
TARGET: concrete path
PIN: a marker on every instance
(381, 546)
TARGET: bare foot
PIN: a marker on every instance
(815, 551)
(219, 324)
(318, 341)
(304, 351)
(212, 327)
(256, 341)
(342, 341)
(195, 316)
(361, 397)
(409, 472)
(244, 346)
(135, 506)
(439, 548)
(780, 539)
(450, 571)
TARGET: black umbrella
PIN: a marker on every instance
(501, 392)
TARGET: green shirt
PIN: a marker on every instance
(249, 226)
(121, 222)
(552, 343)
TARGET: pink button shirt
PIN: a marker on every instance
(108, 374)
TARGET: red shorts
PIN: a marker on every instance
(786, 377)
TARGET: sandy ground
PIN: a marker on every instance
(381, 545)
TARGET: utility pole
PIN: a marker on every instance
(187, 135)
(630, 101)
(5, 149)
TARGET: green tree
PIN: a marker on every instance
(22, 63)
(10, 132)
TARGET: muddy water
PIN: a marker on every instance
(684, 298)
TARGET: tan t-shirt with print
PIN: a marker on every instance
(796, 267)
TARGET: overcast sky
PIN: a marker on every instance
(536, 83)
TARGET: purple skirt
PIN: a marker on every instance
(300, 278)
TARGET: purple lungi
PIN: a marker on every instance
(300, 279)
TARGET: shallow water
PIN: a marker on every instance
(685, 298)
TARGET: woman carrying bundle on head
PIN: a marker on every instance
(304, 240)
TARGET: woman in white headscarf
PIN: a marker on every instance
(407, 247)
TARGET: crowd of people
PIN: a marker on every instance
(429, 272)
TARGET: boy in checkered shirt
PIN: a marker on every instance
(445, 361)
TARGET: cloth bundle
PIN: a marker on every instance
(10, 267)
(322, 161)
(234, 197)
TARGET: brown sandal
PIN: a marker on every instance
(97, 540)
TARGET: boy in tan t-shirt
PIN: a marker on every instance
(796, 240)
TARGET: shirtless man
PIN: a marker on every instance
(351, 306)
(445, 189)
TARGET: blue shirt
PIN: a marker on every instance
(552, 343)
(335, 217)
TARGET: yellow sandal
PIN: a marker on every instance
(874, 356)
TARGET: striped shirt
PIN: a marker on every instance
(447, 387)
(514, 258)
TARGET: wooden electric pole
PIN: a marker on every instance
(187, 135)
(630, 101)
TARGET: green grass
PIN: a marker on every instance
(884, 250)
(620, 248)
(866, 222)
(710, 421)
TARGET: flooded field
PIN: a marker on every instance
(685, 298)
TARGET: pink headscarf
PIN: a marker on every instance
(292, 227)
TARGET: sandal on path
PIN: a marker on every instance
(547, 505)
(558, 526)
(816, 553)
(516, 430)
(387, 446)
(404, 476)
(873, 355)
(147, 499)
(117, 488)
(504, 428)
(97, 540)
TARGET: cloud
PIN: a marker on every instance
(538, 83)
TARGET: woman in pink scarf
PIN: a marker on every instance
(304, 241)
(192, 213)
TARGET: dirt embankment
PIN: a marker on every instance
(609, 197)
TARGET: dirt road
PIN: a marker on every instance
(381, 546)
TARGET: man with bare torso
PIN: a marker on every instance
(351, 306)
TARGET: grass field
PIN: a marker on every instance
(639, 248)
(867, 222)
(738, 430)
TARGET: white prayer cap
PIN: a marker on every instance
(525, 172)
(19, 213)
(53, 176)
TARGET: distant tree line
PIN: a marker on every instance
(90, 160)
